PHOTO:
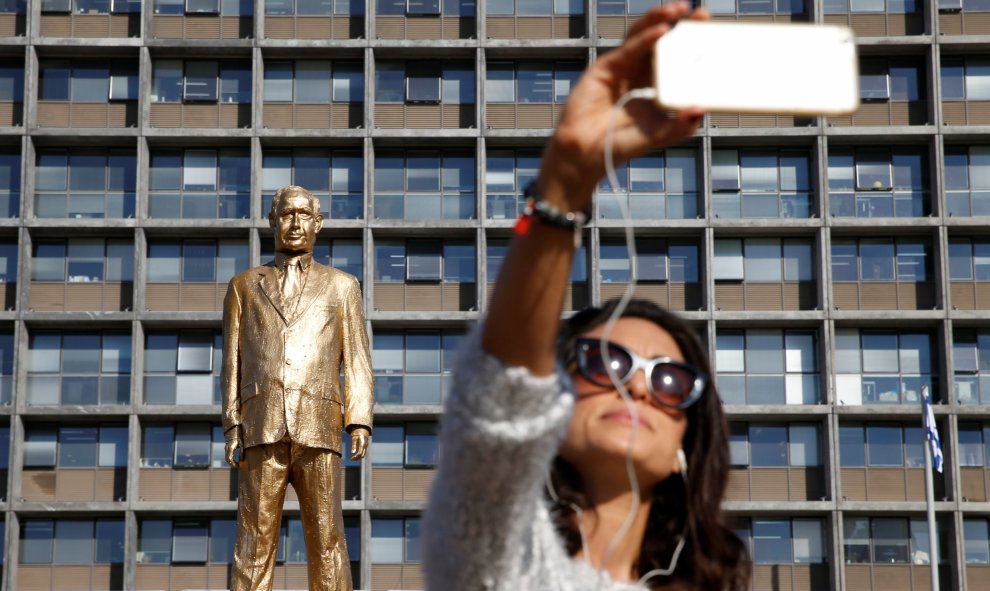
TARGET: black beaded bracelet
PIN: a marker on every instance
(546, 213)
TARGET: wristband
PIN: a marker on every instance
(537, 208)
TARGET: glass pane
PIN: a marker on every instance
(113, 447)
(312, 81)
(804, 445)
(764, 351)
(762, 260)
(729, 349)
(388, 446)
(386, 541)
(77, 447)
(73, 542)
(976, 536)
(851, 450)
(109, 541)
(771, 541)
(768, 445)
(809, 546)
(884, 445)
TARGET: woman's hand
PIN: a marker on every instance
(574, 160)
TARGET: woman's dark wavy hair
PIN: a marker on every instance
(713, 556)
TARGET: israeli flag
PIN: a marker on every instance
(931, 429)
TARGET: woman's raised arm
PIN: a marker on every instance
(525, 310)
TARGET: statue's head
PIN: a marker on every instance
(296, 219)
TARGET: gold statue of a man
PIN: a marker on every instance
(287, 327)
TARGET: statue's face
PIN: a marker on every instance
(295, 225)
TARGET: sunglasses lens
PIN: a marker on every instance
(672, 385)
(593, 364)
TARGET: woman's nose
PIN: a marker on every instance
(637, 385)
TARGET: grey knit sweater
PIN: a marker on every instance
(487, 525)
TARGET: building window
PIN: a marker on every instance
(83, 260)
(10, 182)
(196, 261)
(883, 79)
(766, 366)
(412, 445)
(4, 459)
(783, 541)
(446, 261)
(461, 8)
(13, 6)
(535, 8)
(496, 249)
(88, 6)
(201, 81)
(343, 255)
(314, 7)
(530, 82)
(965, 78)
(335, 177)
(6, 367)
(8, 265)
(72, 541)
(976, 540)
(764, 260)
(164, 541)
(625, 7)
(886, 540)
(756, 7)
(879, 367)
(395, 541)
(85, 183)
(223, 7)
(314, 82)
(12, 80)
(974, 444)
(183, 367)
(971, 364)
(657, 259)
(413, 367)
(75, 446)
(656, 186)
(507, 172)
(183, 445)
(97, 81)
(880, 259)
(969, 259)
(967, 180)
(881, 445)
(424, 185)
(774, 445)
(424, 81)
(878, 182)
(860, 6)
(292, 542)
(200, 184)
(761, 184)
(79, 368)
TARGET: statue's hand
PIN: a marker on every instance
(232, 445)
(360, 438)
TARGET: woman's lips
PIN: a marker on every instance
(624, 416)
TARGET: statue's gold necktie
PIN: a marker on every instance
(290, 282)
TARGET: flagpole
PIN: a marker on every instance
(930, 502)
(929, 492)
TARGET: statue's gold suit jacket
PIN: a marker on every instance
(281, 362)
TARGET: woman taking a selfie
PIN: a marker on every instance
(533, 491)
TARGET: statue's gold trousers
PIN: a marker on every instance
(265, 470)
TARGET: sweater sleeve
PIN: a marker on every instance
(500, 431)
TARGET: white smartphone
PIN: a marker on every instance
(757, 68)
